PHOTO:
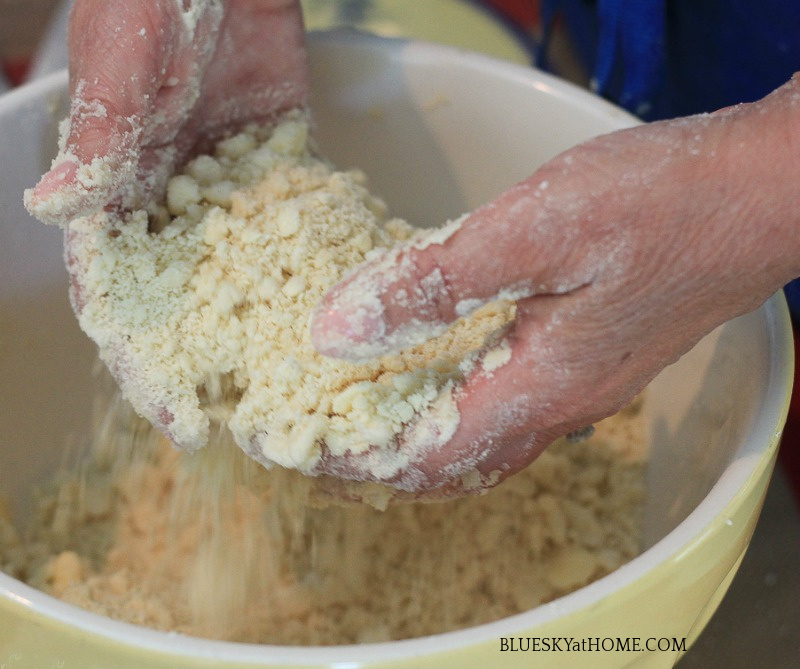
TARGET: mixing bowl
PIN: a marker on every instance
(438, 131)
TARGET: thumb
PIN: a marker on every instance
(99, 154)
(120, 60)
(508, 249)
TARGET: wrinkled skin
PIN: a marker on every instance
(146, 93)
(624, 251)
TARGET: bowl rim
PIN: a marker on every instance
(720, 501)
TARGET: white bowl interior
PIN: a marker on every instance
(437, 131)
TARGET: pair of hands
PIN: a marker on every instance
(621, 253)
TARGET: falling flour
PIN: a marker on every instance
(211, 544)
(202, 309)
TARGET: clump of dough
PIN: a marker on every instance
(211, 544)
(207, 319)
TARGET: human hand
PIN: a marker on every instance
(620, 254)
(153, 82)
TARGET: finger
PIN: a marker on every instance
(512, 248)
(113, 72)
(550, 376)
(123, 56)
(173, 408)
(414, 469)
(259, 69)
(329, 490)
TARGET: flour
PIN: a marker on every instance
(496, 357)
(213, 545)
(193, 11)
(82, 185)
(206, 319)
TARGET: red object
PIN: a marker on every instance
(525, 13)
(16, 70)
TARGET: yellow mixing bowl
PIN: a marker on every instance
(460, 23)
(438, 130)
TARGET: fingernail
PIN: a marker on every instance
(59, 176)
(40, 200)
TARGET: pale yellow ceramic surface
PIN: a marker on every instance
(458, 23)
(674, 599)
(438, 131)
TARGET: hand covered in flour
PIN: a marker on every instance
(154, 81)
(620, 254)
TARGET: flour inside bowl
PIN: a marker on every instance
(202, 309)
(212, 544)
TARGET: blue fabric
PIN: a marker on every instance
(792, 292)
(722, 52)
(631, 36)
(667, 58)
(679, 57)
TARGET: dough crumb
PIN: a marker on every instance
(213, 545)
(204, 316)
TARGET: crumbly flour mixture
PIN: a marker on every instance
(212, 544)
(201, 311)
(206, 320)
